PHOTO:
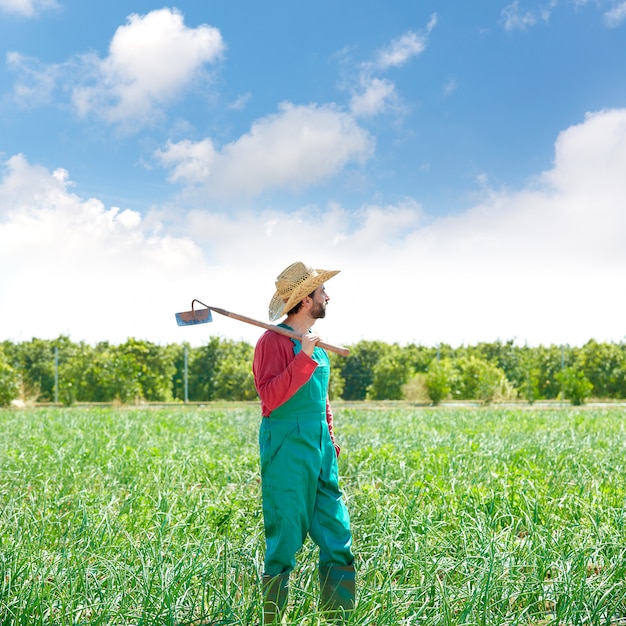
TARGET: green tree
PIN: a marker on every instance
(102, 374)
(9, 381)
(155, 368)
(233, 377)
(440, 378)
(419, 358)
(389, 375)
(604, 365)
(140, 370)
(478, 379)
(415, 389)
(576, 385)
(549, 361)
(337, 382)
(507, 357)
(529, 386)
(178, 358)
(203, 362)
(76, 362)
(96, 381)
(358, 368)
(35, 361)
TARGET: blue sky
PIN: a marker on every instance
(462, 164)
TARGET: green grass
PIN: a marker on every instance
(472, 516)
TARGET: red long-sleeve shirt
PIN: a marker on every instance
(278, 374)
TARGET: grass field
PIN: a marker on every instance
(465, 516)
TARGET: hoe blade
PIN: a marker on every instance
(189, 318)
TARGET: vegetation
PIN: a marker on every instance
(152, 517)
(140, 371)
(9, 382)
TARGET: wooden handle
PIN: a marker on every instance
(278, 329)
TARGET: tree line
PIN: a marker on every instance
(60, 370)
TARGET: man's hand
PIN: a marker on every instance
(309, 341)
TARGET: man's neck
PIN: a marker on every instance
(300, 322)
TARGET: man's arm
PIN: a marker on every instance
(278, 374)
(329, 421)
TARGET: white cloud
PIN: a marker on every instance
(27, 8)
(37, 82)
(376, 96)
(240, 102)
(516, 19)
(152, 59)
(71, 266)
(450, 87)
(295, 148)
(372, 95)
(542, 264)
(191, 162)
(616, 16)
(400, 51)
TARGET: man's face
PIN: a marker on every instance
(320, 299)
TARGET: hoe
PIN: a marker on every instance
(203, 316)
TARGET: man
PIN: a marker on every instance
(299, 474)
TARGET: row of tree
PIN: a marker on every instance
(64, 371)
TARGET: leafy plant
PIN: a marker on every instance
(9, 381)
(414, 390)
(358, 369)
(390, 373)
(478, 379)
(439, 379)
(576, 385)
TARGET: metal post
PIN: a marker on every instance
(56, 374)
(186, 377)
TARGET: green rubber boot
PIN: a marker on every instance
(275, 595)
(338, 591)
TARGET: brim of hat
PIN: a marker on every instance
(278, 307)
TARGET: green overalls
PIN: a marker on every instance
(300, 479)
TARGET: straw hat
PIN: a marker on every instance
(293, 284)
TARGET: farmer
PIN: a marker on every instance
(299, 475)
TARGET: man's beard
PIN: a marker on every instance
(318, 311)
